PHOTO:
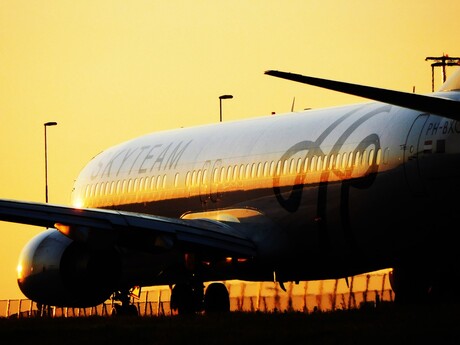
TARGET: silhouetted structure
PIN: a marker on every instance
(442, 61)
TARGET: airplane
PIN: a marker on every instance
(310, 195)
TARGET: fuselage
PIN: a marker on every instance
(339, 184)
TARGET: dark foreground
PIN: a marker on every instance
(387, 324)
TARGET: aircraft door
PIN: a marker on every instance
(412, 149)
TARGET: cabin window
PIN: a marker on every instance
(193, 180)
(291, 166)
(285, 167)
(253, 170)
(265, 169)
(298, 167)
(248, 170)
(313, 163)
(215, 175)
(371, 157)
(188, 177)
(350, 160)
(152, 183)
(146, 183)
(272, 168)
(331, 162)
(344, 160)
(259, 170)
(141, 184)
(278, 168)
(241, 171)
(378, 157)
(364, 158)
(176, 180)
(319, 164)
(164, 181)
(357, 158)
(229, 173)
(205, 175)
(222, 174)
(158, 182)
(305, 165)
(386, 155)
(235, 172)
(199, 176)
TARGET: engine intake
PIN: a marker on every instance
(54, 270)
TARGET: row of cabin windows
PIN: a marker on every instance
(341, 161)
(148, 183)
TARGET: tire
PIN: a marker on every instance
(216, 299)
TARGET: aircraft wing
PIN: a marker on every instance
(129, 229)
(429, 104)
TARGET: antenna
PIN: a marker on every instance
(292, 106)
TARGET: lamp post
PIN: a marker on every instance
(220, 103)
(47, 124)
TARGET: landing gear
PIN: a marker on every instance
(216, 299)
(423, 284)
(409, 285)
(125, 308)
(189, 298)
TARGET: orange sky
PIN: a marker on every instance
(109, 70)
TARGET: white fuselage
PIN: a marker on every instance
(339, 184)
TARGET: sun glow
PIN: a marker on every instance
(19, 271)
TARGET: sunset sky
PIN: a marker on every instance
(110, 70)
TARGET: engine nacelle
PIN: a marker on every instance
(54, 270)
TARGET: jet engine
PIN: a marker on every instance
(55, 270)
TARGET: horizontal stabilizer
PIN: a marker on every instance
(427, 104)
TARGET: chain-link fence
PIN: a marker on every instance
(363, 290)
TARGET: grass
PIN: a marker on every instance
(388, 324)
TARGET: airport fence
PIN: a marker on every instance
(360, 291)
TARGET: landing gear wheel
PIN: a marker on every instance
(216, 299)
(187, 298)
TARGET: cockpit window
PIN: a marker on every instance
(452, 83)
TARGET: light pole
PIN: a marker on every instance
(47, 124)
(220, 103)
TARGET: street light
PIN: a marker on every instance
(220, 103)
(47, 124)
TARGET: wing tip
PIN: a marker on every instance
(270, 72)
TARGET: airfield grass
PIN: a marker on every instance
(386, 324)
